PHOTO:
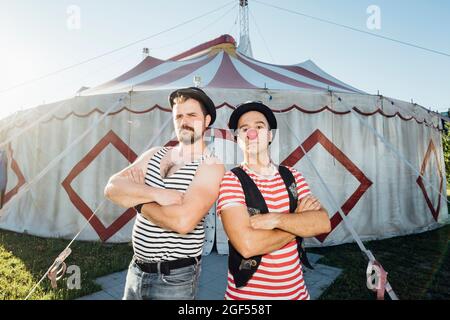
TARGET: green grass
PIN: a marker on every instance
(24, 259)
(418, 266)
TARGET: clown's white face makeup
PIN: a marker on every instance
(254, 136)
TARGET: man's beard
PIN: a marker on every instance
(191, 139)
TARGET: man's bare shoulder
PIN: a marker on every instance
(144, 158)
(213, 163)
(150, 153)
(210, 169)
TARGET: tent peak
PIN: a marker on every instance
(223, 40)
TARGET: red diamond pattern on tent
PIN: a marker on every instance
(431, 150)
(318, 137)
(103, 232)
(21, 179)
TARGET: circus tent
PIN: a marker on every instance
(220, 65)
(329, 130)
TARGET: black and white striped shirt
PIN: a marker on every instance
(152, 243)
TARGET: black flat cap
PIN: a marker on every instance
(196, 94)
(252, 106)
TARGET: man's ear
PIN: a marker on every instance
(270, 137)
(207, 120)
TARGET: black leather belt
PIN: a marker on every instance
(166, 266)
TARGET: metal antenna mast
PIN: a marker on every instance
(244, 46)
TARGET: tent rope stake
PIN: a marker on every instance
(58, 268)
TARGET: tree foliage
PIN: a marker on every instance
(446, 147)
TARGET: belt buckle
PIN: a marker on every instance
(163, 267)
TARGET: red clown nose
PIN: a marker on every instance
(252, 134)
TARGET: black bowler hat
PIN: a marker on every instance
(196, 94)
(252, 106)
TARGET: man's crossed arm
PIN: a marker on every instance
(169, 209)
(127, 188)
(198, 199)
(265, 233)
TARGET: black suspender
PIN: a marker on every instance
(242, 269)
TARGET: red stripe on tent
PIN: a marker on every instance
(226, 38)
(20, 177)
(277, 76)
(228, 77)
(147, 64)
(175, 74)
(431, 150)
(306, 73)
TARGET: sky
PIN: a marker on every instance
(38, 38)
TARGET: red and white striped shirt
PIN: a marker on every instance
(279, 276)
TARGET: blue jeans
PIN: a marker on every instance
(181, 284)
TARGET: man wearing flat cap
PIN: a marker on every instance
(172, 190)
(266, 210)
